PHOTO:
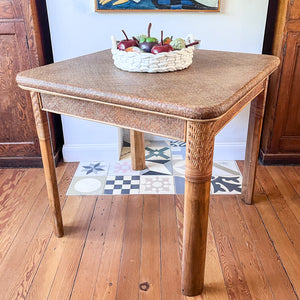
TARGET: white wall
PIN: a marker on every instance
(76, 30)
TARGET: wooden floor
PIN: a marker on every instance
(130, 247)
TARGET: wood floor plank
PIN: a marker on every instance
(45, 275)
(282, 244)
(107, 279)
(281, 205)
(236, 283)
(293, 177)
(170, 260)
(150, 283)
(2, 177)
(32, 220)
(71, 255)
(17, 204)
(288, 183)
(282, 182)
(29, 245)
(297, 169)
(252, 268)
(128, 282)
(270, 260)
(9, 179)
(25, 248)
(88, 269)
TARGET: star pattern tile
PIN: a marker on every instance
(164, 173)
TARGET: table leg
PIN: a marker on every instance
(43, 132)
(198, 171)
(137, 145)
(253, 141)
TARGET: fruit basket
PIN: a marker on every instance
(153, 63)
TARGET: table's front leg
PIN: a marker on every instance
(253, 142)
(198, 171)
(43, 132)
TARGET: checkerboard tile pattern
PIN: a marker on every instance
(164, 173)
(122, 185)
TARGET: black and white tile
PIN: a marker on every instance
(122, 185)
(164, 173)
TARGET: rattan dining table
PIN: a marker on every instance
(190, 105)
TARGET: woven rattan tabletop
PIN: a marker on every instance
(214, 82)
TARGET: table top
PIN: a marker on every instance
(214, 82)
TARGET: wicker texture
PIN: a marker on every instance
(199, 152)
(162, 125)
(153, 63)
(215, 82)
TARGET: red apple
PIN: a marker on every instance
(161, 47)
(124, 44)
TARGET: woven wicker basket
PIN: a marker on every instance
(153, 63)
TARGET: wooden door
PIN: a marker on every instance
(17, 133)
(10, 9)
(295, 10)
(286, 134)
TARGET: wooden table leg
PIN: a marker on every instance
(253, 141)
(43, 132)
(137, 145)
(198, 171)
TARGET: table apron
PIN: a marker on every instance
(162, 125)
(148, 122)
(239, 106)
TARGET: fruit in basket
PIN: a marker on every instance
(124, 44)
(134, 49)
(178, 44)
(162, 47)
(147, 43)
(141, 37)
(168, 40)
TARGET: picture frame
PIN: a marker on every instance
(157, 5)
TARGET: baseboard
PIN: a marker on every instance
(26, 161)
(75, 153)
(279, 158)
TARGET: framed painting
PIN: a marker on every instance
(159, 5)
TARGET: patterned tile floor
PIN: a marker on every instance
(164, 174)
